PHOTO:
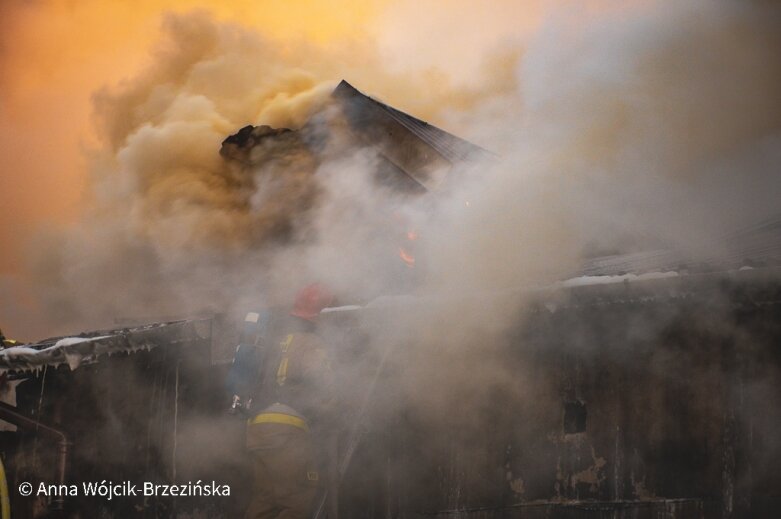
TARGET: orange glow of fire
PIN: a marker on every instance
(406, 257)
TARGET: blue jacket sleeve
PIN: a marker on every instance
(243, 373)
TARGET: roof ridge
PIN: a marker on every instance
(456, 149)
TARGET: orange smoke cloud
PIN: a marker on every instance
(80, 76)
(57, 58)
(54, 54)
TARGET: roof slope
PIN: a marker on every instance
(89, 347)
(406, 140)
(453, 149)
(755, 246)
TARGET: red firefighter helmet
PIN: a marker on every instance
(310, 300)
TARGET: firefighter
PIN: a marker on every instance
(295, 402)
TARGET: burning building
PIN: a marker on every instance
(647, 385)
(413, 156)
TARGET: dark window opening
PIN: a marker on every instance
(574, 417)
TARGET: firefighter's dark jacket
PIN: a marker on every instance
(300, 376)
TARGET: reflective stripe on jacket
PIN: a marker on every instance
(281, 414)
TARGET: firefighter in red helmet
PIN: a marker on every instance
(310, 301)
(295, 401)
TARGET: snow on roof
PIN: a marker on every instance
(75, 351)
(608, 289)
(604, 280)
(754, 246)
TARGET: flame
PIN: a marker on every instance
(406, 257)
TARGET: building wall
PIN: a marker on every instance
(153, 416)
(644, 407)
(644, 404)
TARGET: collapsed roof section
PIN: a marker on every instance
(89, 347)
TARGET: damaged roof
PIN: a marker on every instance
(414, 156)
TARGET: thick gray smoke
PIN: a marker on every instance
(171, 227)
(653, 128)
(626, 129)
(656, 126)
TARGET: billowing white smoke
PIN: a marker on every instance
(653, 127)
